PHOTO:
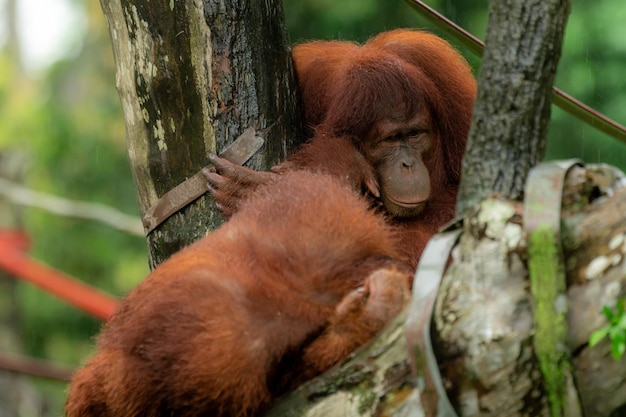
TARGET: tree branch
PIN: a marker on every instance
(70, 208)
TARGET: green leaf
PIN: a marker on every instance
(617, 350)
(617, 335)
(608, 313)
(598, 335)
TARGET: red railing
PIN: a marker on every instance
(15, 260)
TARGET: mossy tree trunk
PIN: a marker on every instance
(192, 76)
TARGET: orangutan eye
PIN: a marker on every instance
(417, 132)
(392, 138)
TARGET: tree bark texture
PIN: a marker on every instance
(192, 76)
(512, 109)
(483, 321)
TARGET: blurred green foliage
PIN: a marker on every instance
(68, 122)
(592, 70)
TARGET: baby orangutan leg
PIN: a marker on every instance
(358, 317)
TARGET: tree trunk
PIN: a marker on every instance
(512, 110)
(13, 46)
(192, 76)
(484, 315)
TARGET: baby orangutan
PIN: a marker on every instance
(288, 287)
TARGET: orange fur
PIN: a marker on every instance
(282, 291)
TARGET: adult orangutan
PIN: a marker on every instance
(252, 310)
(403, 102)
(304, 271)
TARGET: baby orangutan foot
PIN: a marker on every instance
(358, 318)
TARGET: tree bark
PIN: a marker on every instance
(192, 76)
(512, 110)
